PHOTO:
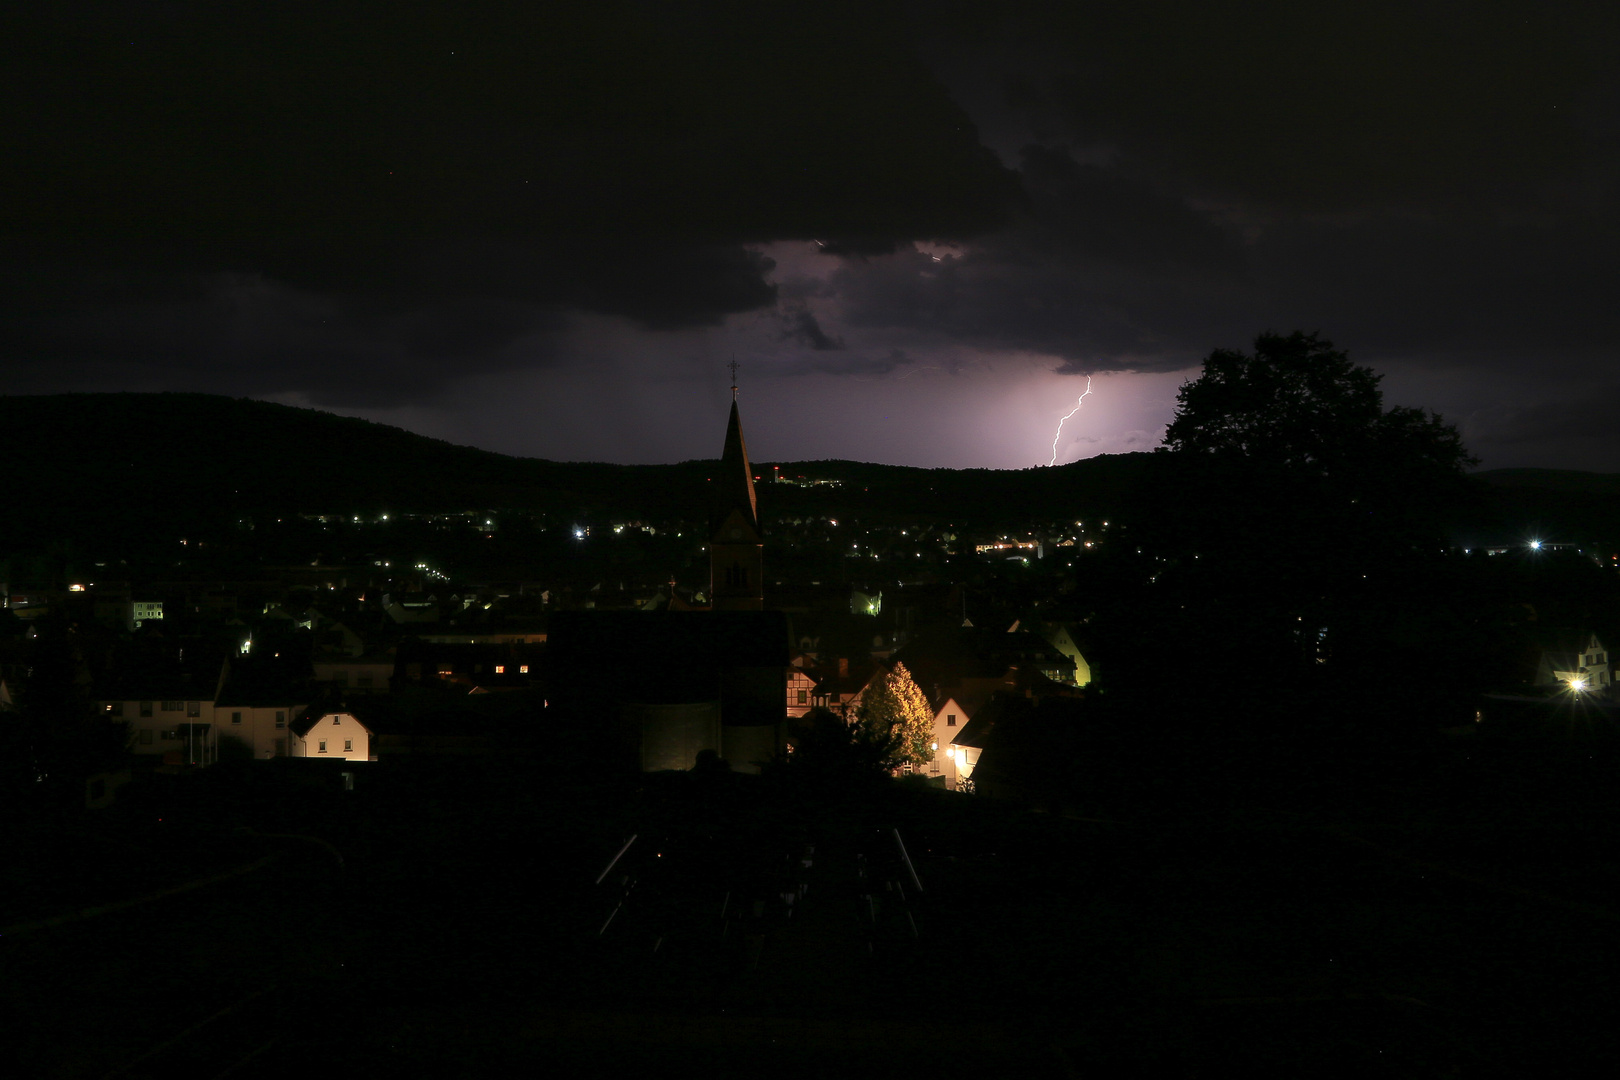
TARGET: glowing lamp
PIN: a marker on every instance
(1577, 685)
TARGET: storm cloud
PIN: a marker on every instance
(387, 208)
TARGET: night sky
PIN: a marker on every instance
(546, 229)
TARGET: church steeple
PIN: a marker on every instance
(736, 546)
(736, 474)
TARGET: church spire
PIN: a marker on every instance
(736, 473)
(736, 572)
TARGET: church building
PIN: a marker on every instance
(661, 690)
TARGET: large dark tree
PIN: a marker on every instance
(1298, 403)
(1305, 548)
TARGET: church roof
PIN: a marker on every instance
(736, 486)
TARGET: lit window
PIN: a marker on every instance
(523, 669)
(500, 669)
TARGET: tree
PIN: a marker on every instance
(1305, 548)
(1300, 404)
(56, 739)
(895, 715)
(1291, 447)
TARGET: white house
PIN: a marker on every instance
(1580, 662)
(318, 733)
(949, 721)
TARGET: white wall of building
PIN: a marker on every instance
(335, 735)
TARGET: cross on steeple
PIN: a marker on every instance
(733, 366)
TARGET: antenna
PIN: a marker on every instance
(733, 366)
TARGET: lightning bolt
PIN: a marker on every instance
(1059, 433)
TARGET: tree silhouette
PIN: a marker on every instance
(1300, 404)
(1305, 551)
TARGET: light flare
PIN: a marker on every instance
(1059, 433)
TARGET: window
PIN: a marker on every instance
(336, 721)
(323, 747)
(173, 733)
(348, 745)
(236, 718)
(365, 682)
(194, 708)
(174, 706)
(804, 697)
(523, 669)
(115, 708)
(500, 669)
(281, 719)
(950, 719)
(146, 708)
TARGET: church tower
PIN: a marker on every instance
(736, 545)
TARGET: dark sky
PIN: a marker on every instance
(546, 229)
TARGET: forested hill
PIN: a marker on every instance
(79, 464)
(125, 461)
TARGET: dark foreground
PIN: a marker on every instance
(1445, 910)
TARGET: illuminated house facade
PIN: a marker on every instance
(319, 733)
(954, 762)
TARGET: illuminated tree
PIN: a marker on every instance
(895, 714)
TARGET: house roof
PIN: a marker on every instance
(442, 711)
(259, 682)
